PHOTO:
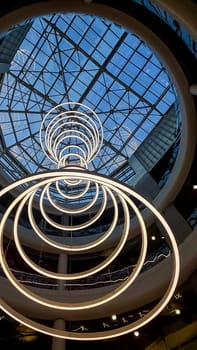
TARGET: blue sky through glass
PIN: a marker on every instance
(80, 58)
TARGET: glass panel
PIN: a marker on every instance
(86, 59)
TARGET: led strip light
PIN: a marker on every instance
(83, 126)
(58, 145)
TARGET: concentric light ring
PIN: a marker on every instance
(124, 192)
(81, 123)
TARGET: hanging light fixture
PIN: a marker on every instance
(71, 136)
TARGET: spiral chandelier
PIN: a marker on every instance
(71, 136)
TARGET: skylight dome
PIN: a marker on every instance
(88, 60)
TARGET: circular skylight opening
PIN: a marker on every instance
(90, 60)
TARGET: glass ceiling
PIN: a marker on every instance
(85, 59)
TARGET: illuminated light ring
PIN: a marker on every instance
(76, 137)
(56, 159)
(85, 163)
(72, 146)
(62, 164)
(69, 248)
(58, 121)
(93, 136)
(72, 248)
(54, 150)
(73, 276)
(76, 115)
(75, 210)
(60, 138)
(88, 304)
(109, 333)
(66, 276)
(49, 134)
(93, 128)
(74, 227)
(73, 196)
(99, 138)
(76, 112)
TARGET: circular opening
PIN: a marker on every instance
(94, 61)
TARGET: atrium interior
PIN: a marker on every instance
(98, 98)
